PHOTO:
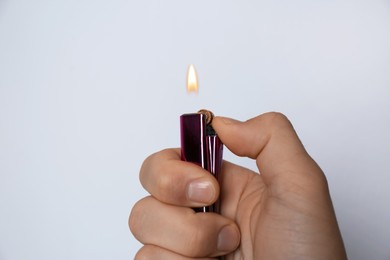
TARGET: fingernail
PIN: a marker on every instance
(200, 191)
(228, 238)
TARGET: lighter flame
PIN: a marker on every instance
(192, 80)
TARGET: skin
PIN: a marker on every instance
(285, 212)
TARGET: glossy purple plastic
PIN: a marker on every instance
(201, 146)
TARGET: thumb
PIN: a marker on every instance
(271, 140)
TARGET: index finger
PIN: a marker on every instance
(176, 182)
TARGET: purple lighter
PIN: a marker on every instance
(201, 145)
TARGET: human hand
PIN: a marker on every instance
(285, 212)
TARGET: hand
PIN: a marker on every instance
(285, 212)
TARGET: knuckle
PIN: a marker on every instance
(164, 181)
(146, 252)
(157, 176)
(199, 244)
(277, 119)
(171, 190)
(154, 163)
(136, 217)
(147, 163)
(263, 128)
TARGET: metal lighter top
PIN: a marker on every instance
(201, 145)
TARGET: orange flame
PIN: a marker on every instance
(192, 79)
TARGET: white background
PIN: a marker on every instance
(89, 88)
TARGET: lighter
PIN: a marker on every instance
(201, 145)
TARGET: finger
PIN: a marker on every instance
(155, 252)
(181, 230)
(272, 141)
(173, 181)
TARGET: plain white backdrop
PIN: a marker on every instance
(89, 88)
